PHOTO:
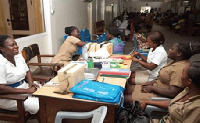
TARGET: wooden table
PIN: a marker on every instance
(51, 103)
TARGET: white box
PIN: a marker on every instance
(70, 75)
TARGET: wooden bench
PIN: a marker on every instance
(99, 27)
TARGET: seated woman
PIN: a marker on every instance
(13, 71)
(184, 108)
(113, 36)
(168, 84)
(69, 47)
(156, 59)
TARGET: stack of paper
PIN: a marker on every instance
(115, 72)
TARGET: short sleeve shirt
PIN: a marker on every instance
(158, 57)
(67, 49)
(118, 45)
(171, 74)
(183, 112)
(9, 73)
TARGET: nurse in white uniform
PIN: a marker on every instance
(13, 71)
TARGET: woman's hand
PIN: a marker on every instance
(143, 105)
(33, 84)
(31, 90)
(147, 89)
(135, 59)
(148, 83)
(134, 54)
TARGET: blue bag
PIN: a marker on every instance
(119, 97)
(97, 91)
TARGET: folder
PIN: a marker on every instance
(115, 71)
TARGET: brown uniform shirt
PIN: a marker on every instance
(67, 49)
(168, 75)
(171, 74)
(183, 112)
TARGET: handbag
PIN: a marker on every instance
(97, 91)
(133, 114)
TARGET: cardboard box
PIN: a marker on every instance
(70, 75)
(100, 50)
(91, 47)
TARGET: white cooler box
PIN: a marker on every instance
(70, 75)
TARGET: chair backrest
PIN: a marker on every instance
(65, 37)
(100, 39)
(135, 42)
(82, 35)
(87, 35)
(97, 115)
(30, 52)
(104, 36)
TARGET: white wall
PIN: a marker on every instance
(72, 12)
(108, 10)
(67, 13)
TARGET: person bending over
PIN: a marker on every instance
(69, 47)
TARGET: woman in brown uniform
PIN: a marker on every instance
(185, 107)
(69, 47)
(168, 84)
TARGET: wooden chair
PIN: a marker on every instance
(44, 71)
(99, 27)
(187, 28)
(131, 31)
(19, 116)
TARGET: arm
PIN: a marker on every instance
(161, 104)
(80, 43)
(149, 66)
(134, 54)
(4, 89)
(170, 92)
(29, 78)
(149, 83)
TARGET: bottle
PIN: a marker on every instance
(84, 53)
(90, 62)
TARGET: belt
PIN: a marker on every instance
(16, 84)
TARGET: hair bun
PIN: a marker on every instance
(68, 30)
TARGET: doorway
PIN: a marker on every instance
(145, 9)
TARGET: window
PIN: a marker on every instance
(21, 17)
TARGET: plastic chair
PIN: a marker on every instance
(104, 36)
(97, 115)
(159, 112)
(88, 36)
(65, 36)
(100, 39)
(82, 35)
